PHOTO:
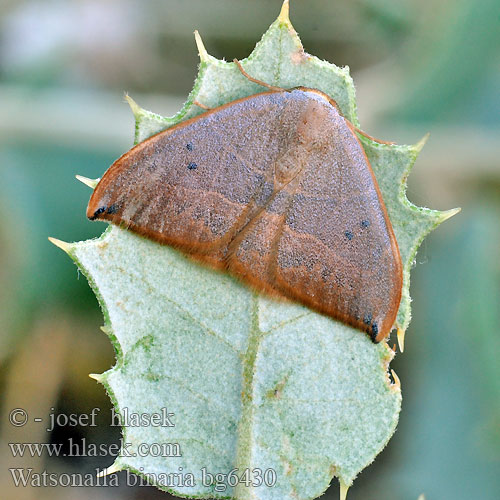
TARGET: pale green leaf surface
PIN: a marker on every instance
(253, 383)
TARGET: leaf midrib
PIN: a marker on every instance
(244, 457)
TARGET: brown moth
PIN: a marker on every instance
(276, 189)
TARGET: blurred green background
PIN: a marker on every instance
(419, 66)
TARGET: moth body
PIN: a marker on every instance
(276, 189)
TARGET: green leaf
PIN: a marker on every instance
(252, 383)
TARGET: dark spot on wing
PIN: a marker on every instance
(112, 209)
(349, 235)
(374, 331)
(192, 165)
(367, 319)
(189, 146)
(98, 212)
(365, 223)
